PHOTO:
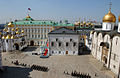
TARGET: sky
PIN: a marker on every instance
(57, 10)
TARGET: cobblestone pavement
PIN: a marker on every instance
(56, 64)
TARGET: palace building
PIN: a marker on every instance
(37, 30)
(63, 41)
(106, 43)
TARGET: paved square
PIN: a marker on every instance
(56, 64)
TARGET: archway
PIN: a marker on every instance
(105, 50)
(32, 43)
(16, 46)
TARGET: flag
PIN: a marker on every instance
(47, 44)
(29, 9)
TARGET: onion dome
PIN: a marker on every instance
(8, 37)
(81, 24)
(17, 32)
(77, 23)
(109, 17)
(10, 25)
(84, 23)
(13, 29)
(12, 37)
(92, 24)
(119, 18)
(17, 29)
(22, 31)
(89, 23)
(3, 37)
(5, 29)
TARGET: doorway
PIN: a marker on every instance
(16, 46)
(66, 52)
(32, 43)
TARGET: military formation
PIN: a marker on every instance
(33, 67)
(39, 68)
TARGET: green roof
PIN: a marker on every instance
(30, 21)
(33, 23)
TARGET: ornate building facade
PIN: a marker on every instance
(106, 43)
(13, 38)
(37, 30)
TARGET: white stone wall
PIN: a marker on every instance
(99, 48)
(72, 50)
(94, 45)
(119, 27)
(113, 59)
(107, 26)
(108, 40)
(115, 55)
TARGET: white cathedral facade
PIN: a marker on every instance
(12, 38)
(106, 43)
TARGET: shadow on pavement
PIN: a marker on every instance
(29, 49)
(15, 72)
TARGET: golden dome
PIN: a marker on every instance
(77, 23)
(5, 29)
(87, 24)
(92, 24)
(8, 37)
(17, 29)
(3, 37)
(12, 37)
(13, 29)
(84, 23)
(10, 25)
(119, 18)
(81, 24)
(17, 32)
(109, 17)
(22, 31)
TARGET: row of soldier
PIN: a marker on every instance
(39, 68)
(35, 67)
(18, 63)
(80, 75)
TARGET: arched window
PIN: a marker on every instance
(116, 41)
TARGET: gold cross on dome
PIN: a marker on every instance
(110, 5)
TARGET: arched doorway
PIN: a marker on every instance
(105, 50)
(16, 46)
(32, 43)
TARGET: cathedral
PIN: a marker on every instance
(106, 43)
(12, 38)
